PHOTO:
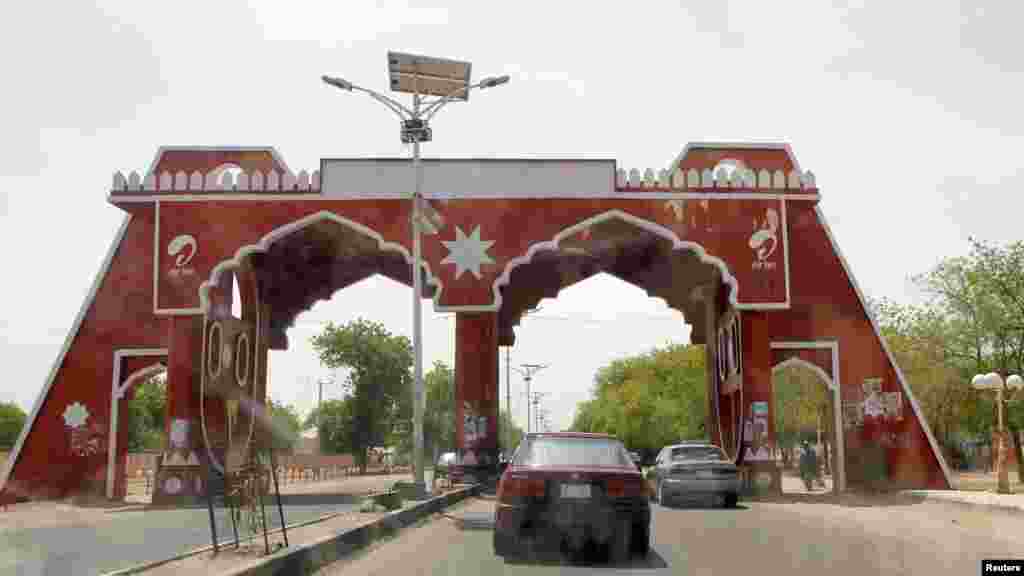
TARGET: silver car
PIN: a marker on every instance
(694, 471)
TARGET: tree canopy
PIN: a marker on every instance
(650, 400)
(379, 379)
(12, 418)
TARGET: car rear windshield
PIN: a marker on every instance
(697, 453)
(564, 451)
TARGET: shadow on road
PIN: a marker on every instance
(703, 506)
(590, 559)
(848, 499)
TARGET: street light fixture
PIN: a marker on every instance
(994, 381)
(448, 80)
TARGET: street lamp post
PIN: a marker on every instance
(994, 381)
(448, 80)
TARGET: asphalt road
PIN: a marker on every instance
(123, 539)
(793, 537)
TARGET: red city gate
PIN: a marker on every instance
(744, 252)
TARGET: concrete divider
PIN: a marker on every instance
(308, 558)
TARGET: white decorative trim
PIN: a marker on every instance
(647, 225)
(803, 345)
(885, 346)
(75, 326)
(833, 383)
(160, 152)
(742, 178)
(797, 361)
(156, 257)
(157, 311)
(737, 146)
(298, 197)
(785, 249)
(280, 232)
(117, 391)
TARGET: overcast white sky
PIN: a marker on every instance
(910, 119)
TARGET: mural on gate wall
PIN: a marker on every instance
(86, 436)
(774, 255)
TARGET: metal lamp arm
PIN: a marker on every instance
(436, 105)
(393, 105)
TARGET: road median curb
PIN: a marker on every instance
(307, 558)
(952, 498)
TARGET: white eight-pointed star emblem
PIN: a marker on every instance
(467, 252)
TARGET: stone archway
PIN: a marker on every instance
(788, 354)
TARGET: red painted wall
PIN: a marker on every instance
(825, 306)
(120, 317)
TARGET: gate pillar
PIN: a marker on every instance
(178, 473)
(758, 421)
(476, 390)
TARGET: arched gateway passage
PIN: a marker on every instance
(729, 234)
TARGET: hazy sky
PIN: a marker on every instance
(910, 119)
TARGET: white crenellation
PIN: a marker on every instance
(722, 178)
(764, 179)
(679, 179)
(794, 180)
(649, 179)
(779, 180)
(288, 182)
(736, 178)
(707, 179)
(692, 178)
(634, 177)
(273, 181)
(621, 181)
(808, 180)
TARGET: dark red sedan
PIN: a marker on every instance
(571, 489)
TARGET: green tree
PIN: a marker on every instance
(801, 405)
(439, 417)
(146, 413)
(379, 378)
(12, 419)
(649, 400)
(286, 426)
(334, 422)
(510, 433)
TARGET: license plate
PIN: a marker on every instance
(575, 491)
(705, 474)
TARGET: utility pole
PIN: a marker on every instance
(528, 370)
(535, 400)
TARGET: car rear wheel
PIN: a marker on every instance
(641, 540)
(731, 500)
(621, 545)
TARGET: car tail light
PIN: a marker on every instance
(515, 488)
(621, 488)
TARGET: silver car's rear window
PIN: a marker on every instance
(697, 453)
(555, 451)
